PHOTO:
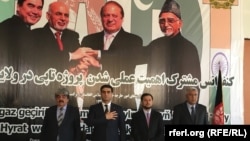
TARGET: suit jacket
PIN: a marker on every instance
(106, 130)
(140, 130)
(182, 115)
(123, 55)
(16, 42)
(49, 54)
(171, 56)
(69, 130)
(50, 57)
(15, 38)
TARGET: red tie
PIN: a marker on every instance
(59, 41)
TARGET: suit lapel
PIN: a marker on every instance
(186, 110)
(100, 108)
(116, 40)
(143, 119)
(113, 107)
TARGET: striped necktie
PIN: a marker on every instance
(60, 116)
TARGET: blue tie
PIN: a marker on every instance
(193, 113)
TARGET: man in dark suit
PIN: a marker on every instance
(61, 121)
(107, 118)
(147, 124)
(51, 55)
(174, 56)
(118, 51)
(190, 112)
(16, 43)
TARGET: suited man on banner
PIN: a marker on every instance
(106, 118)
(147, 123)
(56, 44)
(51, 51)
(190, 111)
(117, 51)
(173, 56)
(16, 42)
(61, 121)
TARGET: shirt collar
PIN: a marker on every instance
(189, 105)
(54, 31)
(114, 34)
(106, 104)
(147, 111)
(64, 107)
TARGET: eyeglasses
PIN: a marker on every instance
(169, 20)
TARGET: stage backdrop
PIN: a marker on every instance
(214, 27)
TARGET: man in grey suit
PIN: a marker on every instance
(61, 121)
(190, 112)
(147, 124)
(107, 118)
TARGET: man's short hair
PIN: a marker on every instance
(188, 89)
(115, 3)
(146, 94)
(62, 91)
(106, 86)
(20, 2)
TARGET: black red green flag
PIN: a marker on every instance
(218, 114)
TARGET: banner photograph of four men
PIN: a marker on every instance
(160, 56)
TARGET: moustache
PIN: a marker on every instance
(61, 101)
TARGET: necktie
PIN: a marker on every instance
(59, 41)
(107, 41)
(148, 118)
(106, 108)
(193, 113)
(60, 117)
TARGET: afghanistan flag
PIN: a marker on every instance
(218, 115)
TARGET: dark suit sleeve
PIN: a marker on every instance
(134, 135)
(44, 127)
(205, 118)
(122, 125)
(176, 115)
(49, 129)
(77, 124)
(93, 119)
(160, 128)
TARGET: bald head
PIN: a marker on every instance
(57, 5)
(58, 16)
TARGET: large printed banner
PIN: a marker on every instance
(213, 28)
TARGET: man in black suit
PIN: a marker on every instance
(61, 121)
(117, 50)
(174, 56)
(147, 124)
(51, 55)
(107, 118)
(16, 43)
(190, 112)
